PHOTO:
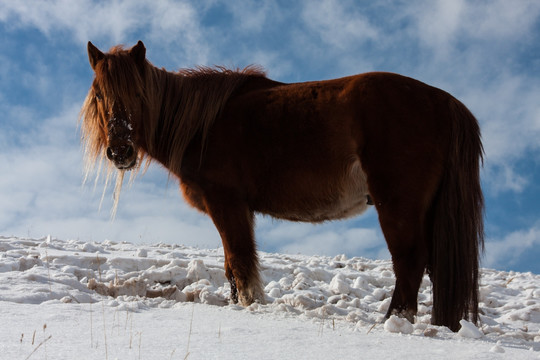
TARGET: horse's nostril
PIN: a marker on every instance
(129, 152)
(110, 153)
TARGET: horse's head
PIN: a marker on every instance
(113, 108)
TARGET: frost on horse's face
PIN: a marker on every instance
(121, 147)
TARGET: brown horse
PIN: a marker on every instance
(240, 143)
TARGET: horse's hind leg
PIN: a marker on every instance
(234, 221)
(403, 230)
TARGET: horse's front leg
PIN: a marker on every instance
(235, 221)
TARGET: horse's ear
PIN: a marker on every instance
(138, 52)
(94, 55)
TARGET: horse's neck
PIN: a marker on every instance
(183, 107)
(169, 97)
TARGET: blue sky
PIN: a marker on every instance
(486, 53)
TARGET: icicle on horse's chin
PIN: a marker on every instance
(240, 143)
(111, 174)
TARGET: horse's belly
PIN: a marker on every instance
(341, 209)
(334, 197)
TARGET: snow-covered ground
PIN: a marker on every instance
(81, 300)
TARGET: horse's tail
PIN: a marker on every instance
(458, 227)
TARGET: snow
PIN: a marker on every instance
(395, 324)
(469, 330)
(87, 300)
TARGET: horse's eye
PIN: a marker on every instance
(98, 97)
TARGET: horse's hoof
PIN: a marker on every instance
(405, 313)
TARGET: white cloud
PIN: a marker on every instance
(438, 22)
(76, 17)
(253, 15)
(338, 23)
(504, 178)
(508, 250)
(169, 22)
(352, 242)
(510, 110)
(500, 19)
(509, 113)
(341, 237)
(42, 194)
(442, 25)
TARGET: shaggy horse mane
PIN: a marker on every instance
(179, 106)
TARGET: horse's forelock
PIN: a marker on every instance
(119, 79)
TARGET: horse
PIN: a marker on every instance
(240, 143)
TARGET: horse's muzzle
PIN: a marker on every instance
(123, 156)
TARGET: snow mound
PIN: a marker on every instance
(469, 330)
(497, 348)
(396, 324)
